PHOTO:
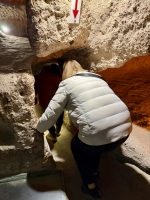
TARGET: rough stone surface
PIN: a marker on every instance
(55, 33)
(21, 148)
(13, 16)
(109, 32)
(136, 149)
(15, 53)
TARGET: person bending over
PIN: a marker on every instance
(102, 119)
(46, 84)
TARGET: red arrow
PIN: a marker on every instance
(75, 12)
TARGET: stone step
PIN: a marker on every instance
(41, 185)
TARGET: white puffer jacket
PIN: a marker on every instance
(93, 107)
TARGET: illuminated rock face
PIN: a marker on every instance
(109, 32)
(15, 50)
(16, 53)
(13, 16)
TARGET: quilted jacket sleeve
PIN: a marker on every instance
(53, 110)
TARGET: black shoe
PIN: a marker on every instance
(95, 193)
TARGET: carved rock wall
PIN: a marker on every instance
(109, 32)
(16, 53)
(13, 16)
(21, 148)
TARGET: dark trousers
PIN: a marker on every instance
(87, 157)
(59, 123)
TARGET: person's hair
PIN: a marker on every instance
(70, 68)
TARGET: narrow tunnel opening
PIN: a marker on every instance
(47, 77)
(46, 85)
